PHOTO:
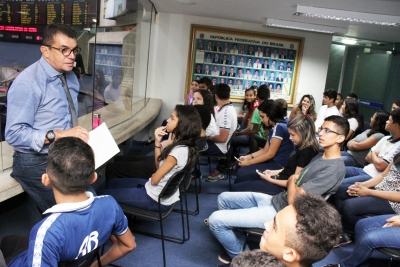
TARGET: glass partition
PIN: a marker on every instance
(111, 67)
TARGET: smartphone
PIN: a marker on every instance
(237, 159)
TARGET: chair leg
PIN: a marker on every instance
(162, 240)
(209, 164)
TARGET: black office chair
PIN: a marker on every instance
(170, 188)
(84, 261)
(391, 252)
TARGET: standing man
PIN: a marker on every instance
(42, 105)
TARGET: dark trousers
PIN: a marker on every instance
(13, 245)
(255, 142)
(131, 167)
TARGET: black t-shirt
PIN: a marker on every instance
(298, 158)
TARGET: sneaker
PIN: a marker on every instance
(224, 258)
(344, 239)
(215, 176)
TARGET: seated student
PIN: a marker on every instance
(249, 105)
(303, 232)
(350, 112)
(379, 156)
(377, 196)
(170, 157)
(328, 109)
(301, 131)
(243, 137)
(248, 209)
(255, 258)
(193, 87)
(203, 97)
(77, 224)
(339, 101)
(276, 152)
(305, 107)
(282, 102)
(370, 234)
(226, 119)
(359, 146)
(205, 83)
(396, 104)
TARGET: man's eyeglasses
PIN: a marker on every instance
(66, 51)
(327, 130)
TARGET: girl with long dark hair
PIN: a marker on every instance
(305, 107)
(359, 146)
(350, 112)
(277, 149)
(170, 157)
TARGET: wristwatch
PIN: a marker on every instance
(50, 136)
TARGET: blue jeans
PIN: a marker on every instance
(349, 160)
(369, 235)
(130, 191)
(28, 169)
(239, 209)
(248, 173)
(356, 208)
(352, 175)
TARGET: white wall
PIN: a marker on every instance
(170, 49)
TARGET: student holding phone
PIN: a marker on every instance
(275, 154)
(301, 131)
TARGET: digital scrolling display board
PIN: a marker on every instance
(25, 20)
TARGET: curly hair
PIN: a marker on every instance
(311, 109)
(317, 230)
(255, 258)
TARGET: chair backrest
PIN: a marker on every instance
(202, 144)
(84, 261)
(172, 184)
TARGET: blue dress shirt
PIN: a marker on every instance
(36, 103)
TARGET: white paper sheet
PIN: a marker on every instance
(103, 144)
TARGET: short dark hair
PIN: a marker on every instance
(116, 72)
(255, 258)
(352, 95)
(342, 124)
(52, 29)
(282, 102)
(273, 110)
(263, 92)
(206, 81)
(395, 115)
(70, 165)
(223, 91)
(331, 93)
(397, 102)
(204, 115)
(318, 228)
